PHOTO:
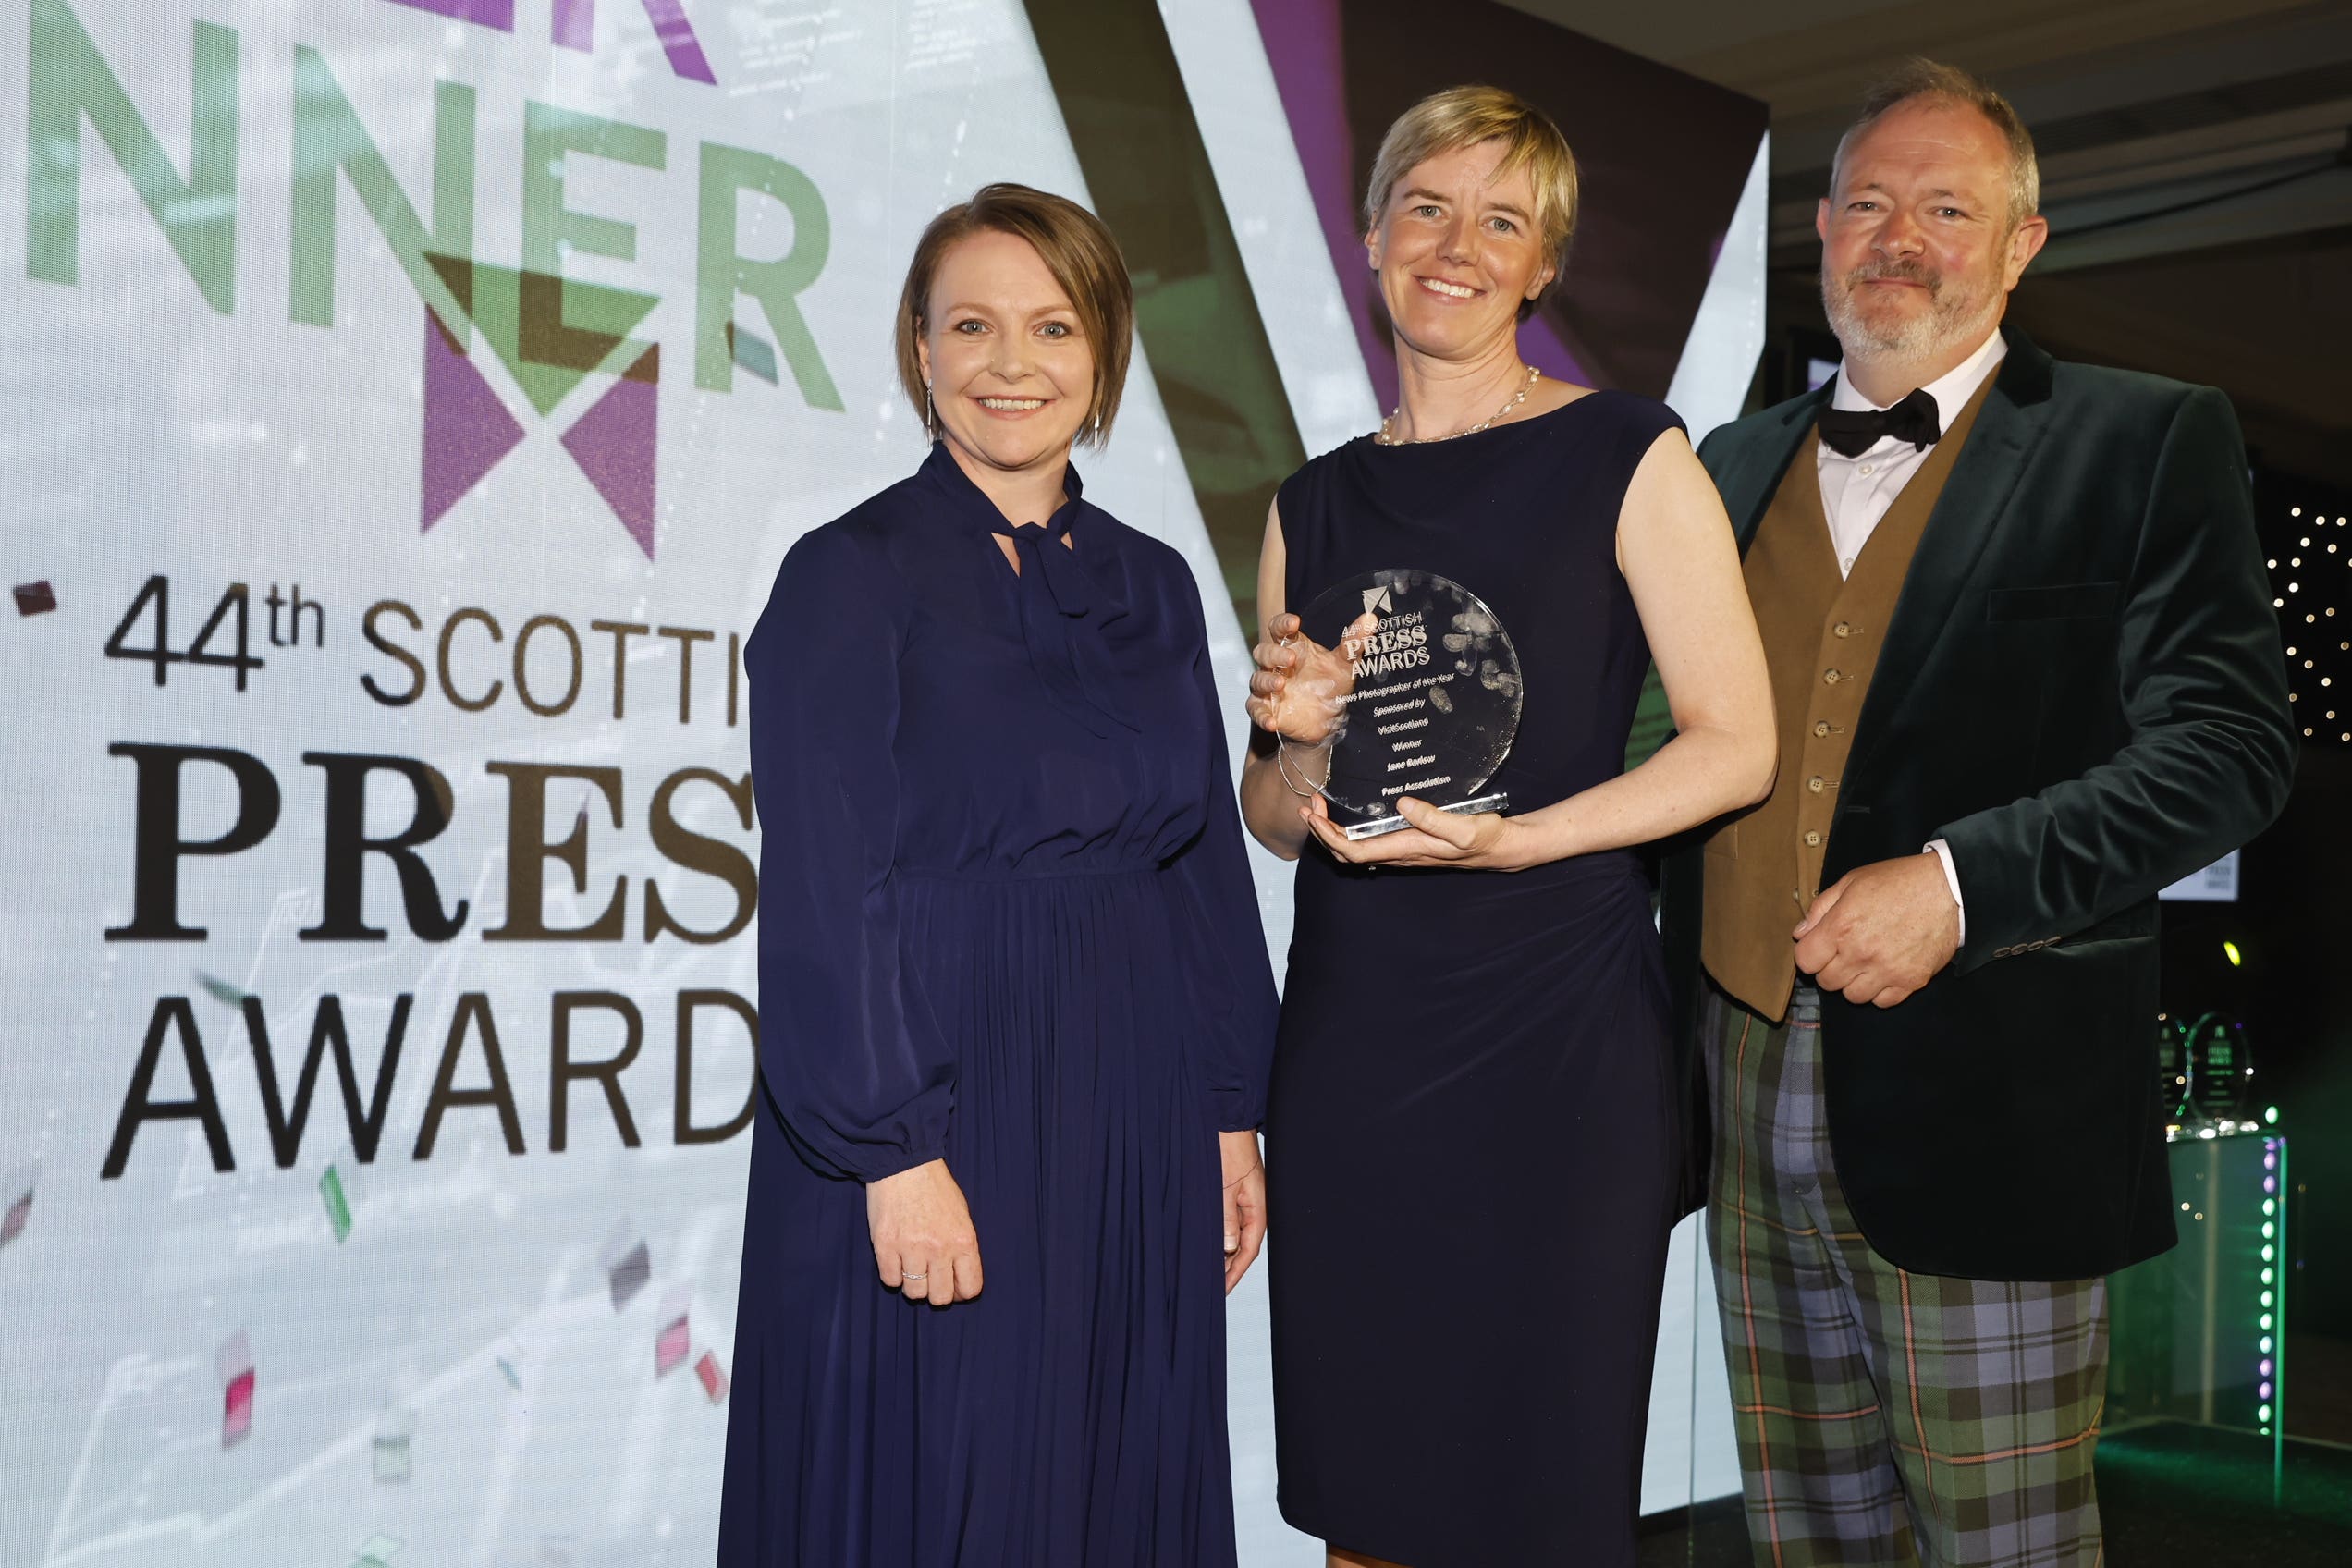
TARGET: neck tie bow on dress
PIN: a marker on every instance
(1851, 432)
(1063, 611)
(1057, 568)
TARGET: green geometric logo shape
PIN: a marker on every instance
(551, 333)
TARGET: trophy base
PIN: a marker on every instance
(1382, 824)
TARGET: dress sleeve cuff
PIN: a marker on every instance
(1237, 1112)
(892, 1161)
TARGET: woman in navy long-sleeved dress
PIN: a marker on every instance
(1015, 1008)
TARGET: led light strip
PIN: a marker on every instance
(2269, 1389)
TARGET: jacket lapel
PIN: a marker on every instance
(1747, 488)
(1983, 478)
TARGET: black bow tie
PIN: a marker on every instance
(1851, 432)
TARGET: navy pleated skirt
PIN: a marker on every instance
(1073, 1414)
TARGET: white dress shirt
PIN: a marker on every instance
(1857, 491)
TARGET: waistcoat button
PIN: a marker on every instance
(1831, 677)
(1822, 728)
(1813, 783)
(1812, 840)
(1844, 629)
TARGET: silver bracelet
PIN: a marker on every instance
(1282, 765)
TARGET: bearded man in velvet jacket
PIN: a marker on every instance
(2026, 673)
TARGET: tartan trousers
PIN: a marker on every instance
(1884, 1417)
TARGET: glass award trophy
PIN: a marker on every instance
(1429, 701)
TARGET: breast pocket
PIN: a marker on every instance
(2061, 601)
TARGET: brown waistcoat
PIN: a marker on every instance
(1822, 640)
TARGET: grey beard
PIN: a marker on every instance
(1951, 319)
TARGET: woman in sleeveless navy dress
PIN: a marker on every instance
(1471, 1139)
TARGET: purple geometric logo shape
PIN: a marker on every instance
(498, 13)
(572, 25)
(614, 444)
(466, 429)
(552, 334)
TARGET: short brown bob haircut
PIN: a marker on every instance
(1076, 248)
(1464, 117)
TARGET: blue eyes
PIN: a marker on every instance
(1429, 209)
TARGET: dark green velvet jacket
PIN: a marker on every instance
(2082, 691)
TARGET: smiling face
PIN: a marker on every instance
(1010, 371)
(1918, 253)
(1458, 250)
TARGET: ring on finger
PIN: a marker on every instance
(913, 1279)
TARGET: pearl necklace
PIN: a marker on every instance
(1385, 439)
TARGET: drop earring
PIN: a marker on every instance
(930, 414)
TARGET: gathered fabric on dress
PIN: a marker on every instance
(1007, 922)
(1471, 1138)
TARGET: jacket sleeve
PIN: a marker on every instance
(1235, 981)
(861, 1077)
(2210, 750)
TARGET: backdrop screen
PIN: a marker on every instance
(404, 405)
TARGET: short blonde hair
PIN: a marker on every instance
(1464, 117)
(1076, 248)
